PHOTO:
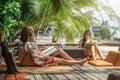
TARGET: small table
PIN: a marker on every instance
(74, 52)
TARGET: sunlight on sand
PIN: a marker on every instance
(105, 49)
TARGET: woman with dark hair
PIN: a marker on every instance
(86, 38)
(43, 58)
(92, 50)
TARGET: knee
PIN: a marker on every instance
(92, 47)
(95, 46)
(60, 49)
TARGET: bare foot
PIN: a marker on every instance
(83, 61)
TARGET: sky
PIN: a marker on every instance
(115, 4)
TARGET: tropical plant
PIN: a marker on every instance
(105, 33)
(9, 15)
(112, 16)
(107, 14)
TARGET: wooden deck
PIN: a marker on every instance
(85, 72)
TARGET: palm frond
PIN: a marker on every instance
(61, 13)
(85, 3)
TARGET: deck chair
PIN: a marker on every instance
(112, 59)
(9, 60)
(11, 65)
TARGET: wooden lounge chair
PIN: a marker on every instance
(8, 57)
(112, 59)
(10, 64)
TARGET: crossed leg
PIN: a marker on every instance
(63, 54)
(69, 62)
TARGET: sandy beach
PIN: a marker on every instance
(105, 49)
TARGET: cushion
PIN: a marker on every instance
(99, 63)
(119, 49)
(112, 56)
(27, 60)
(114, 76)
(20, 54)
(118, 62)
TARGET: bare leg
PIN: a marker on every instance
(69, 62)
(63, 54)
(98, 52)
(93, 52)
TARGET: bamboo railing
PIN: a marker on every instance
(68, 44)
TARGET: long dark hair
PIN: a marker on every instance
(27, 34)
(84, 38)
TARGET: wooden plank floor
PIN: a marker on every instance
(85, 72)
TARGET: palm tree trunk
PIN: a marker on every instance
(42, 20)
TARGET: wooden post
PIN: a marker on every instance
(2, 34)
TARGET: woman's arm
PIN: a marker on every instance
(39, 56)
(34, 55)
(34, 51)
(80, 44)
(42, 49)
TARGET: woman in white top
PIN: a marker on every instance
(92, 50)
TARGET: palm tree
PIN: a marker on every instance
(62, 14)
(113, 17)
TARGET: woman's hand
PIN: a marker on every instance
(42, 49)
